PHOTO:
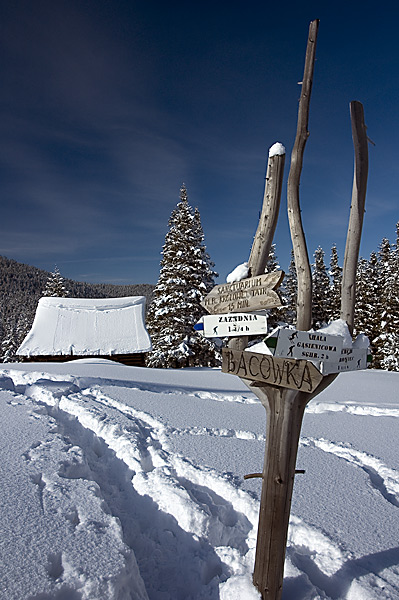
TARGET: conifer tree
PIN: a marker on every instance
(364, 308)
(291, 291)
(321, 285)
(272, 262)
(386, 342)
(334, 306)
(186, 276)
(390, 349)
(16, 333)
(55, 285)
(8, 345)
(380, 301)
(277, 314)
(373, 328)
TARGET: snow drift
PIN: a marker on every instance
(125, 483)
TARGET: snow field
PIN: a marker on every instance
(134, 487)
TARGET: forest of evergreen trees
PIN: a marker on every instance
(186, 276)
(377, 298)
(21, 287)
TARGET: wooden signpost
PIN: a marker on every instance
(247, 295)
(286, 385)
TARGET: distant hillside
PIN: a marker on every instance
(22, 285)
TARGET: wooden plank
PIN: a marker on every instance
(300, 375)
(247, 295)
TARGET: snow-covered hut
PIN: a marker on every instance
(70, 328)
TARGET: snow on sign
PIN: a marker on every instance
(315, 346)
(247, 295)
(234, 324)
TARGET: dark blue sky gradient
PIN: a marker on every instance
(108, 106)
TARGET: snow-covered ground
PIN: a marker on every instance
(127, 483)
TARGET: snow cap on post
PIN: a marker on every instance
(239, 273)
(276, 150)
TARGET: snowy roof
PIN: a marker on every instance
(85, 326)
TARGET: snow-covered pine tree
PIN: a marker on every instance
(186, 276)
(369, 305)
(321, 285)
(16, 331)
(8, 345)
(275, 315)
(290, 286)
(335, 272)
(55, 285)
(364, 308)
(390, 349)
(386, 343)
(272, 262)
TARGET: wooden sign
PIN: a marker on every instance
(232, 325)
(247, 295)
(314, 346)
(351, 359)
(299, 375)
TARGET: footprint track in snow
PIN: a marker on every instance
(191, 494)
(164, 430)
(203, 503)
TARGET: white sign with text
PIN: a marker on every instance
(351, 359)
(314, 346)
(231, 325)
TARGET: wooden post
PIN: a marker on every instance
(266, 227)
(269, 215)
(359, 136)
(304, 298)
(285, 406)
(284, 413)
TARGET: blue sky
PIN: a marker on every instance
(108, 106)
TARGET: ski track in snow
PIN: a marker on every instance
(206, 524)
(352, 409)
(381, 477)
